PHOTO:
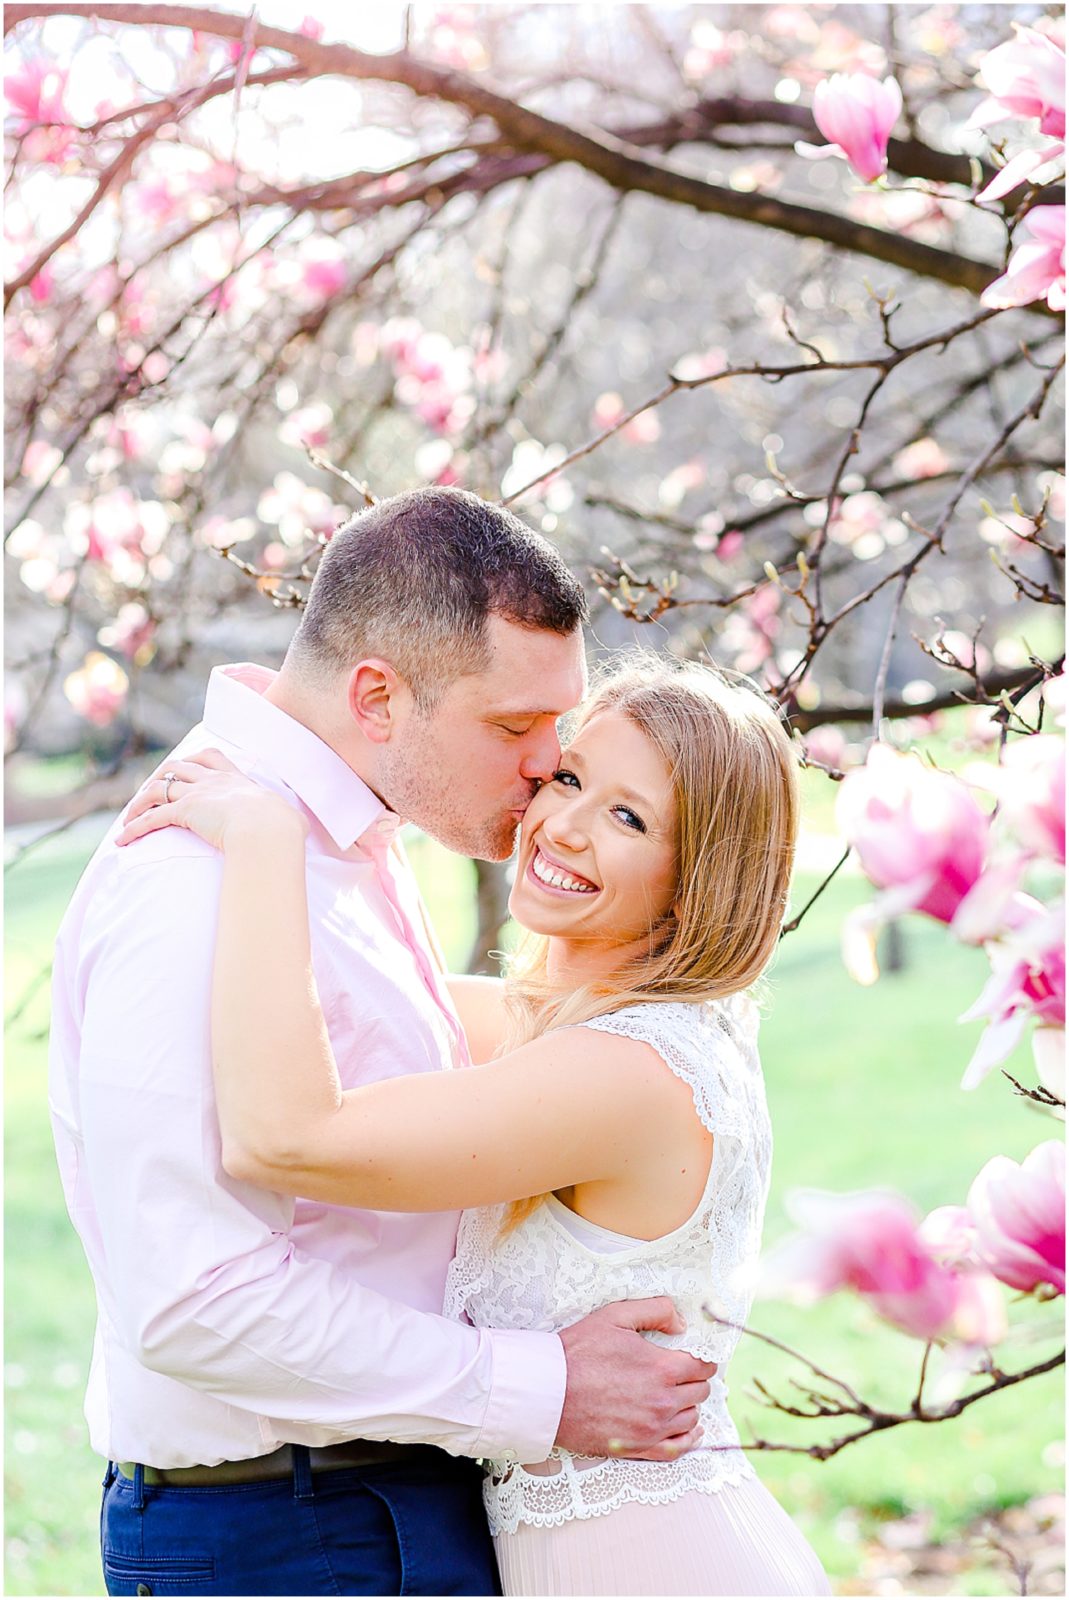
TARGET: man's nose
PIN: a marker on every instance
(541, 757)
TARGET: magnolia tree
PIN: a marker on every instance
(755, 310)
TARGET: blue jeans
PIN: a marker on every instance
(411, 1527)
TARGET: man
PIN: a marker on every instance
(282, 1407)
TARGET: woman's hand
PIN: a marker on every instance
(211, 797)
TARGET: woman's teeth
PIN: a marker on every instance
(557, 878)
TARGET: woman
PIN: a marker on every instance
(619, 1149)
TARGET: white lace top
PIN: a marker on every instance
(547, 1274)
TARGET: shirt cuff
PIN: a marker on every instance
(526, 1396)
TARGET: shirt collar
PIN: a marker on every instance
(336, 796)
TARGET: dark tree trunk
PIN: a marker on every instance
(492, 910)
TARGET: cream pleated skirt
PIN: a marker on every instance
(737, 1541)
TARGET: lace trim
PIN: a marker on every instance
(548, 1502)
(689, 1039)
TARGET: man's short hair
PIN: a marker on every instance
(414, 578)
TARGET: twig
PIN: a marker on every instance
(1041, 1095)
(876, 1419)
(795, 922)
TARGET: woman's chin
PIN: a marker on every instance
(535, 912)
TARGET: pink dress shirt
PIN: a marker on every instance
(231, 1320)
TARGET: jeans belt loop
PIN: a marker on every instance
(302, 1473)
(139, 1487)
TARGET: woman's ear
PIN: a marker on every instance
(375, 691)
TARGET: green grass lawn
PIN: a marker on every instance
(863, 1087)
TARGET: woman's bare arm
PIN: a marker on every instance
(573, 1107)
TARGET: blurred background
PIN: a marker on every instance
(568, 256)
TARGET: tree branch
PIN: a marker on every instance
(616, 162)
(995, 683)
(874, 1418)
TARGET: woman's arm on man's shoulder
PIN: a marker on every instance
(571, 1107)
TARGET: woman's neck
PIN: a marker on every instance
(571, 962)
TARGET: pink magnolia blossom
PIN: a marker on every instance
(709, 49)
(41, 286)
(219, 532)
(98, 690)
(35, 91)
(131, 633)
(677, 484)
(1036, 268)
(840, 49)
(323, 269)
(1030, 786)
(298, 510)
(40, 462)
(1018, 1211)
(791, 23)
(454, 40)
(868, 1242)
(157, 200)
(855, 113)
(309, 426)
(1025, 78)
(698, 364)
(864, 522)
(643, 429)
(115, 522)
(1038, 165)
(949, 1235)
(996, 904)
(917, 832)
(1027, 983)
(609, 409)
(1054, 698)
(1048, 1053)
(434, 376)
(827, 746)
(437, 461)
(980, 1309)
(924, 458)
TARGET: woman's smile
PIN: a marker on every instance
(555, 878)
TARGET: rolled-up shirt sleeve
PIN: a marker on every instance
(204, 1283)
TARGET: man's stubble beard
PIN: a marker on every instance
(417, 790)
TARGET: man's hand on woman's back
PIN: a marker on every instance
(627, 1396)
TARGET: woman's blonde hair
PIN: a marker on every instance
(734, 776)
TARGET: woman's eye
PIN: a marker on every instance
(562, 775)
(631, 819)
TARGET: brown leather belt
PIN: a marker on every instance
(280, 1464)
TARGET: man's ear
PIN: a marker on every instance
(376, 693)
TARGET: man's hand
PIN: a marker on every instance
(627, 1396)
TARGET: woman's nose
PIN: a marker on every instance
(564, 826)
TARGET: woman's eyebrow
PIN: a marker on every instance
(641, 800)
